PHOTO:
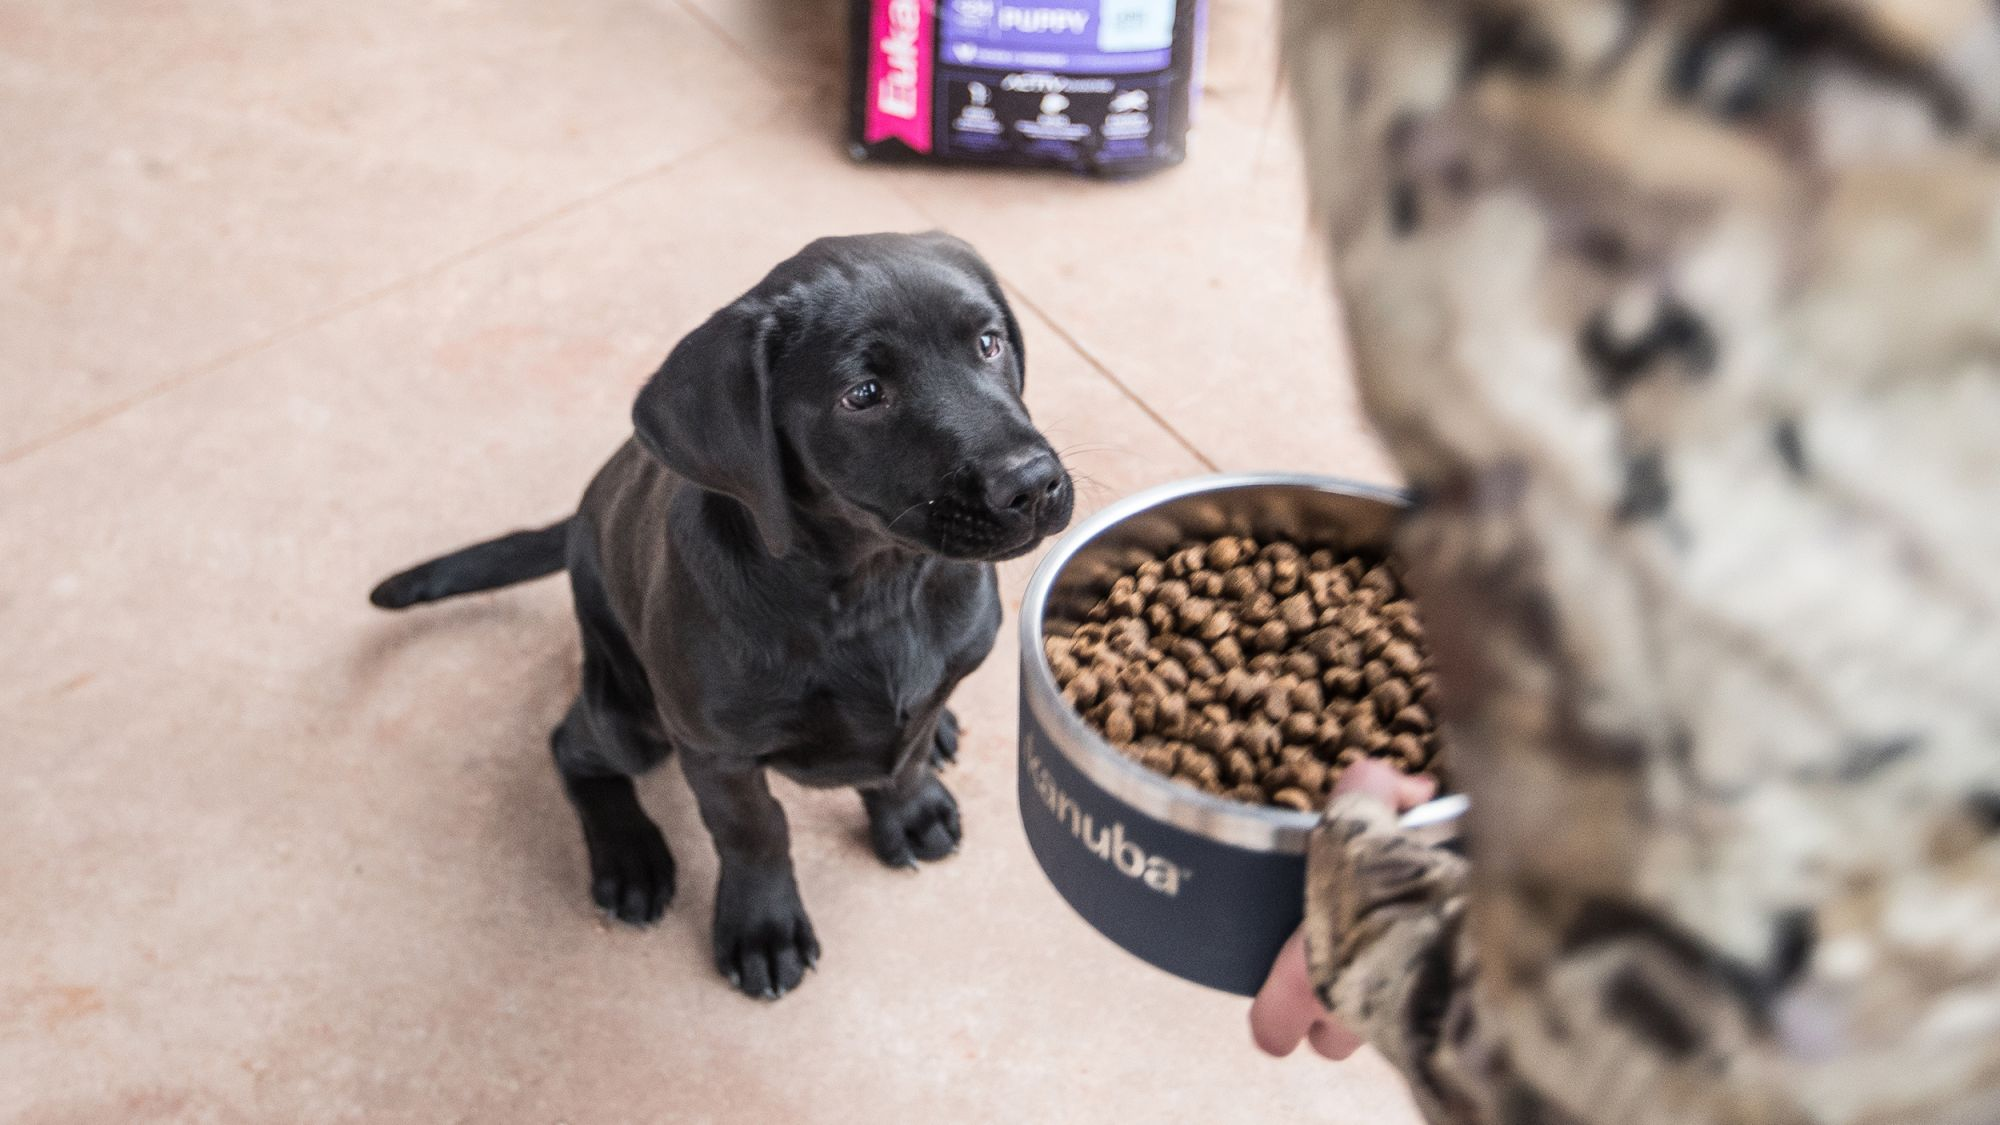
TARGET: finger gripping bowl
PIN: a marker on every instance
(1206, 888)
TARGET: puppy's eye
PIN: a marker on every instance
(989, 344)
(861, 396)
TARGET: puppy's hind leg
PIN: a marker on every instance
(596, 749)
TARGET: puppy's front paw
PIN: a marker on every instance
(944, 748)
(924, 826)
(631, 872)
(764, 942)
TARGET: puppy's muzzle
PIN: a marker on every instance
(1006, 510)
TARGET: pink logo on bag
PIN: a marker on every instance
(899, 73)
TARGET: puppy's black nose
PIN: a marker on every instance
(1026, 483)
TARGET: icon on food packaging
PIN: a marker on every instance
(979, 93)
(1130, 101)
(1053, 105)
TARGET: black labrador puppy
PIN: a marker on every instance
(789, 567)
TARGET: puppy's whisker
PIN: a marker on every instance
(906, 511)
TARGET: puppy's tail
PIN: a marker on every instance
(482, 566)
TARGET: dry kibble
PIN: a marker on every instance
(1297, 614)
(1277, 701)
(1301, 665)
(1252, 670)
(1194, 613)
(1120, 727)
(1272, 636)
(1402, 658)
(1082, 691)
(1306, 695)
(1390, 698)
(1218, 738)
(1299, 727)
(1239, 584)
(1146, 713)
(1241, 767)
(1261, 738)
(1286, 577)
(1219, 624)
(1225, 553)
(1293, 799)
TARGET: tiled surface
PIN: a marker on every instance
(304, 291)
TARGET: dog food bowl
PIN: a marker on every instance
(1206, 888)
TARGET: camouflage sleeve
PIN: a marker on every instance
(1384, 914)
(1683, 320)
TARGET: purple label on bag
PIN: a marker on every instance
(1087, 36)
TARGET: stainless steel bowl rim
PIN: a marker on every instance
(1256, 827)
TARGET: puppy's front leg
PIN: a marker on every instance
(764, 942)
(913, 816)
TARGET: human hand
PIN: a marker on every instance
(1287, 1009)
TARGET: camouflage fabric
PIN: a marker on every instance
(1684, 321)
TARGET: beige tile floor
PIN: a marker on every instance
(297, 291)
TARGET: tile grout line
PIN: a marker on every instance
(338, 309)
(1078, 347)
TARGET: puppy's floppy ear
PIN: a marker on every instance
(960, 253)
(706, 414)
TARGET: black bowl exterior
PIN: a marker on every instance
(1204, 911)
(1206, 888)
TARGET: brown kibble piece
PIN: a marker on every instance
(1272, 636)
(1299, 727)
(1301, 665)
(1160, 618)
(1307, 696)
(1171, 593)
(1276, 701)
(1218, 738)
(1193, 613)
(1227, 653)
(1297, 614)
(1411, 720)
(1119, 727)
(1082, 691)
(1390, 698)
(1239, 584)
(1241, 767)
(1173, 674)
(1297, 799)
(1402, 658)
(1218, 624)
(1286, 576)
(1260, 738)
